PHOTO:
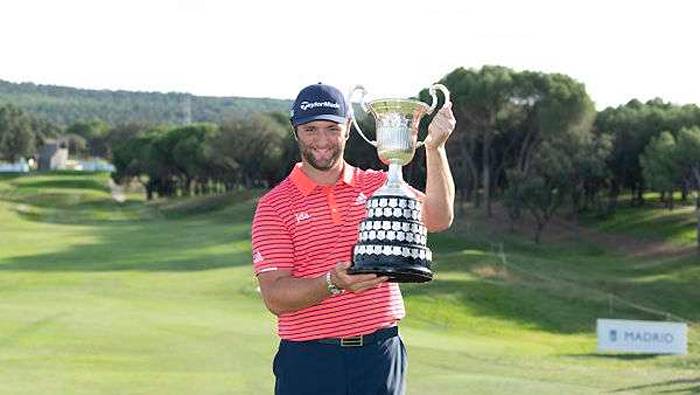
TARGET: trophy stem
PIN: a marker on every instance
(395, 185)
(395, 176)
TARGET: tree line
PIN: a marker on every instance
(64, 106)
(535, 141)
(204, 158)
(531, 141)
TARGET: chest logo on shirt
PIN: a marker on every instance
(361, 199)
(257, 257)
(302, 216)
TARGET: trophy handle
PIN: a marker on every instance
(444, 91)
(442, 88)
(365, 108)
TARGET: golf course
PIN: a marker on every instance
(102, 296)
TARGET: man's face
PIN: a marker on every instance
(322, 143)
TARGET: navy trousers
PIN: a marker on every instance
(327, 367)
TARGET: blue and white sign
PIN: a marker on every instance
(650, 337)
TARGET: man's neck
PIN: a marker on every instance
(323, 177)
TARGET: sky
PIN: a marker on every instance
(619, 49)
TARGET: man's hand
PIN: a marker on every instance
(440, 127)
(354, 282)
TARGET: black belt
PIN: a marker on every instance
(361, 340)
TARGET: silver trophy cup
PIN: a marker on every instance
(392, 239)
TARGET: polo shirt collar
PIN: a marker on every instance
(306, 185)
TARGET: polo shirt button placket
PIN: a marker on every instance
(330, 197)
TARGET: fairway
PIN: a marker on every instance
(100, 297)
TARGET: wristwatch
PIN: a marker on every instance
(332, 288)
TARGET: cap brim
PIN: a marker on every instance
(321, 117)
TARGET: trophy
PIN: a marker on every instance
(392, 238)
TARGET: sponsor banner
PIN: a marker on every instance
(649, 337)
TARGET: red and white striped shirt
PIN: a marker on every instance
(309, 228)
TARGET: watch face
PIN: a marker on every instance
(334, 290)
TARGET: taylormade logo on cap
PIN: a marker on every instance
(305, 105)
(318, 102)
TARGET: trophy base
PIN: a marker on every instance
(398, 269)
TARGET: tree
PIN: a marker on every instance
(77, 145)
(660, 165)
(557, 154)
(688, 143)
(44, 130)
(189, 153)
(631, 128)
(502, 118)
(17, 138)
(94, 134)
(132, 157)
(483, 104)
(258, 160)
(549, 179)
(668, 159)
(541, 195)
(590, 173)
(65, 106)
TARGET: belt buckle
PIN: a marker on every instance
(356, 341)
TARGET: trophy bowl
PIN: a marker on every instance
(392, 239)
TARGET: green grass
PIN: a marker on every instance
(652, 221)
(98, 297)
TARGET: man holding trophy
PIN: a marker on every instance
(331, 241)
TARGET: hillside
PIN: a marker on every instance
(64, 105)
(102, 297)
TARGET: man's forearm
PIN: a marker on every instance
(286, 294)
(438, 207)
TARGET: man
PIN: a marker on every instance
(339, 331)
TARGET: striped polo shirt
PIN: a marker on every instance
(308, 228)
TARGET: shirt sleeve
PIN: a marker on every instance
(271, 241)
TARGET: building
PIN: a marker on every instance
(53, 155)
